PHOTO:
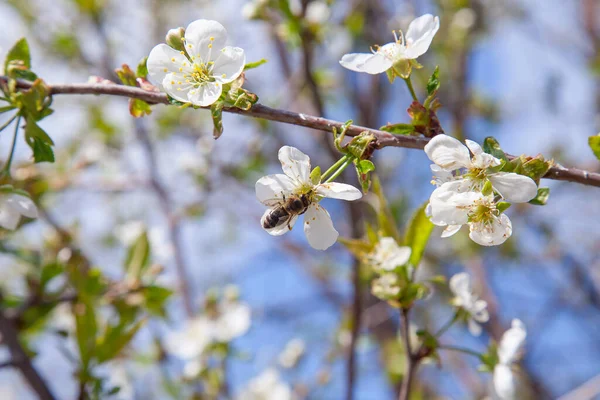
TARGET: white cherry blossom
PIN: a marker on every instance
(197, 75)
(511, 344)
(460, 285)
(388, 255)
(452, 208)
(273, 190)
(266, 386)
(450, 155)
(12, 207)
(416, 42)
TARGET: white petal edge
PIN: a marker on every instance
(450, 230)
(9, 218)
(420, 35)
(340, 191)
(295, 164)
(377, 64)
(318, 228)
(504, 382)
(512, 342)
(448, 152)
(513, 187)
(355, 61)
(205, 94)
(460, 284)
(22, 204)
(160, 59)
(491, 235)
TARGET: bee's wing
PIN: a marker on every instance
(274, 202)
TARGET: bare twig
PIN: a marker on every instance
(412, 360)
(382, 139)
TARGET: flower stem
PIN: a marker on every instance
(340, 169)
(6, 169)
(461, 349)
(411, 89)
(9, 122)
(334, 167)
(447, 326)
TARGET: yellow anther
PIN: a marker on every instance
(210, 45)
(165, 70)
(182, 52)
(172, 82)
(212, 38)
(190, 45)
(224, 76)
(179, 82)
(180, 69)
(173, 59)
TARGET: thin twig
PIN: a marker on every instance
(412, 361)
(382, 139)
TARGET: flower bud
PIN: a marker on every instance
(175, 38)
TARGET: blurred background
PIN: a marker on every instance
(523, 71)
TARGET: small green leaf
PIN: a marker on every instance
(85, 331)
(594, 142)
(399, 129)
(417, 235)
(541, 198)
(138, 108)
(535, 168)
(366, 166)
(142, 68)
(315, 175)
(255, 64)
(18, 54)
(138, 257)
(126, 75)
(39, 141)
(434, 81)
(491, 146)
(115, 340)
(156, 298)
(487, 188)
(49, 272)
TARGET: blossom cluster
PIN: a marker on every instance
(385, 259)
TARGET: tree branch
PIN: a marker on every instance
(382, 139)
(20, 359)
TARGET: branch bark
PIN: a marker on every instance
(382, 139)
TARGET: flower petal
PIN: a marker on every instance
(270, 189)
(163, 60)
(460, 284)
(9, 218)
(198, 35)
(514, 187)
(295, 164)
(23, 205)
(480, 158)
(420, 34)
(175, 85)
(448, 152)
(279, 229)
(504, 382)
(206, 94)
(318, 227)
(474, 327)
(479, 311)
(512, 342)
(234, 322)
(449, 207)
(341, 191)
(450, 230)
(377, 64)
(229, 64)
(355, 61)
(491, 234)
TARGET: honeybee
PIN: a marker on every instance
(286, 210)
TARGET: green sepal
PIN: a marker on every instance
(142, 68)
(541, 198)
(139, 108)
(594, 142)
(363, 168)
(434, 82)
(503, 206)
(487, 188)
(360, 146)
(17, 64)
(491, 146)
(315, 175)
(399, 129)
(126, 75)
(216, 112)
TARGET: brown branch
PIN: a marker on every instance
(382, 139)
(412, 359)
(20, 359)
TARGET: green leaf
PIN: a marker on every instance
(18, 54)
(366, 166)
(503, 206)
(126, 75)
(86, 329)
(541, 198)
(417, 235)
(39, 141)
(142, 68)
(156, 298)
(216, 112)
(255, 64)
(434, 81)
(49, 272)
(594, 142)
(535, 168)
(399, 129)
(491, 146)
(138, 257)
(138, 108)
(115, 340)
(385, 218)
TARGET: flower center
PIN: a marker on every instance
(483, 211)
(201, 74)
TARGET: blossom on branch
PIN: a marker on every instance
(387, 255)
(294, 193)
(12, 207)
(266, 386)
(460, 285)
(511, 344)
(416, 42)
(197, 74)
